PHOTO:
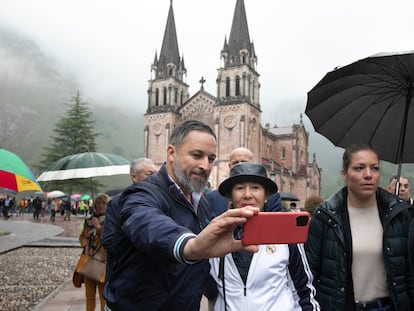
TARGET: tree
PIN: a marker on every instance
(73, 133)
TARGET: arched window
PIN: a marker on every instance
(227, 87)
(175, 95)
(165, 96)
(237, 86)
(283, 156)
(157, 96)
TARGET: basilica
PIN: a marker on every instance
(233, 113)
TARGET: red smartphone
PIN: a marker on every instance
(276, 228)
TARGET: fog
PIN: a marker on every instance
(109, 45)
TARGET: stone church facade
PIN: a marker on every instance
(234, 113)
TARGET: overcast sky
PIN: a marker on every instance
(110, 44)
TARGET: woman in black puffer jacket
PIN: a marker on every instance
(357, 244)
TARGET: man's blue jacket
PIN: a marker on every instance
(149, 271)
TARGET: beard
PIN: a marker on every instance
(185, 181)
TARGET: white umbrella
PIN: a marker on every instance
(86, 165)
(55, 194)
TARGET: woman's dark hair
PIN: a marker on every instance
(350, 150)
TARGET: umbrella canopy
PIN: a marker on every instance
(368, 101)
(85, 197)
(287, 196)
(15, 175)
(86, 165)
(55, 194)
(76, 196)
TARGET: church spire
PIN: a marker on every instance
(169, 62)
(167, 90)
(239, 50)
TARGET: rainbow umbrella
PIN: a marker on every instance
(15, 175)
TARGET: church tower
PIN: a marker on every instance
(238, 107)
(167, 91)
(233, 113)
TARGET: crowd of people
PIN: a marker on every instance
(172, 240)
(40, 206)
(169, 240)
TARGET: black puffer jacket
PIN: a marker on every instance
(329, 252)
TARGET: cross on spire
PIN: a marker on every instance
(202, 82)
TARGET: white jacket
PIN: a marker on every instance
(279, 279)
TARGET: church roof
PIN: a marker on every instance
(284, 130)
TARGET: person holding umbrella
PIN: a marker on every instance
(66, 204)
(357, 245)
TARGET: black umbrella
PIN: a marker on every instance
(368, 101)
(287, 196)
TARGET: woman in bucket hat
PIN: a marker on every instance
(277, 277)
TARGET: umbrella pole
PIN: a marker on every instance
(402, 135)
(91, 188)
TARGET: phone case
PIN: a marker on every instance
(276, 228)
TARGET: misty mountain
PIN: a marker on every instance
(33, 93)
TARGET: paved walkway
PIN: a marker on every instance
(24, 231)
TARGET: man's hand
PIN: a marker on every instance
(217, 239)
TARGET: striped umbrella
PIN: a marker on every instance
(86, 165)
(15, 175)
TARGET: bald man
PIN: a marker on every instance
(219, 204)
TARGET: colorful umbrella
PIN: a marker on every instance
(15, 175)
(86, 165)
(75, 196)
(85, 197)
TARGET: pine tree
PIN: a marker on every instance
(73, 133)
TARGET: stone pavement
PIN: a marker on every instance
(24, 231)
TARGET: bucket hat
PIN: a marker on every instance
(250, 172)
